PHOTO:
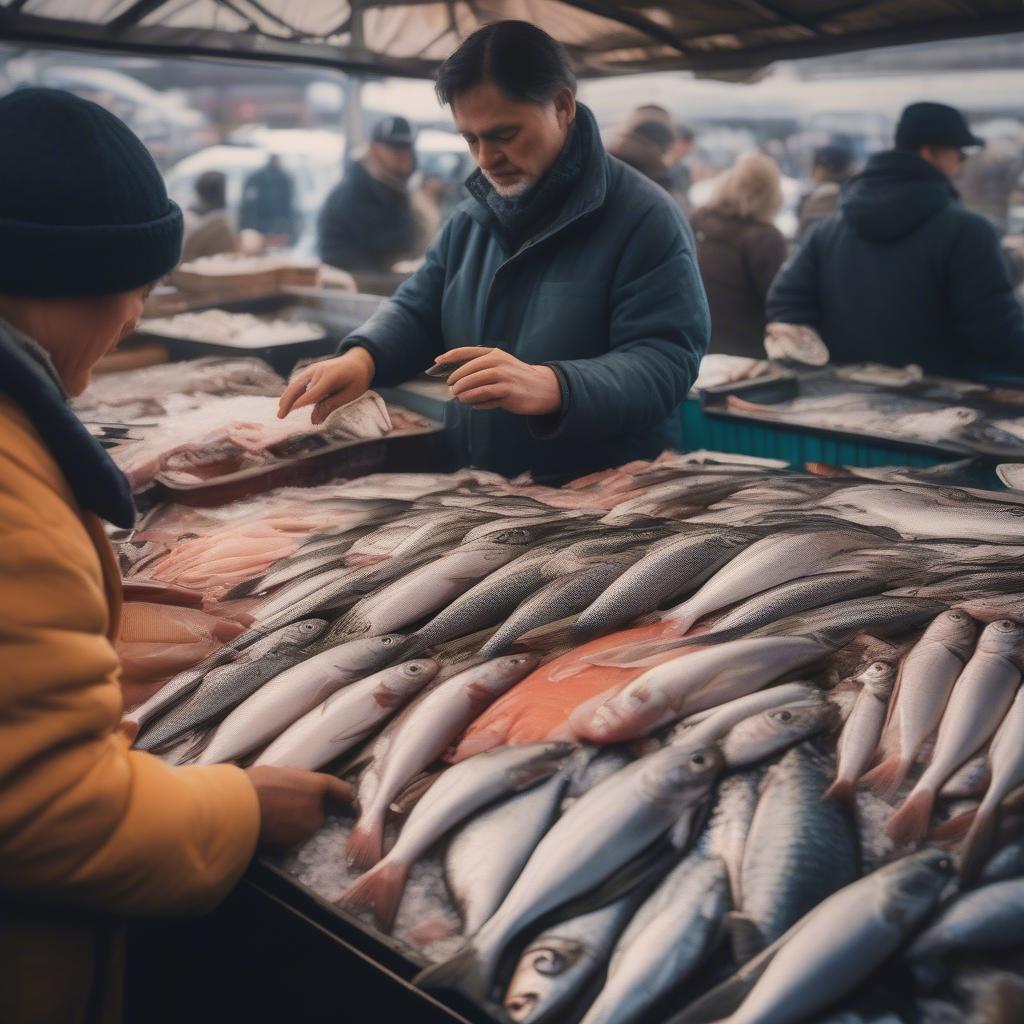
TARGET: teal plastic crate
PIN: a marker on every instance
(771, 441)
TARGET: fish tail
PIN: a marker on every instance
(841, 790)
(885, 778)
(366, 844)
(464, 972)
(379, 890)
(909, 825)
(745, 936)
(978, 845)
(955, 829)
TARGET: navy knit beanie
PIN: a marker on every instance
(83, 208)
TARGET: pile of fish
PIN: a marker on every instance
(242, 330)
(690, 740)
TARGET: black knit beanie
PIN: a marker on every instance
(83, 208)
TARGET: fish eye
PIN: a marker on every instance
(387, 641)
(414, 669)
(308, 626)
(956, 615)
(784, 716)
(698, 761)
(945, 864)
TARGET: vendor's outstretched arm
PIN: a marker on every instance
(658, 334)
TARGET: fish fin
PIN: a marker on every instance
(746, 938)
(200, 741)
(379, 890)
(463, 973)
(414, 792)
(909, 825)
(885, 778)
(366, 844)
(978, 846)
(247, 588)
(954, 830)
(840, 790)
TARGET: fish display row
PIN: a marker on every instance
(682, 741)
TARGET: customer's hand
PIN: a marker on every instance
(293, 803)
(329, 385)
(494, 379)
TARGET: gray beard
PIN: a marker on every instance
(510, 191)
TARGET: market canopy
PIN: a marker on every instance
(406, 37)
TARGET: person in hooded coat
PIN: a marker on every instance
(903, 273)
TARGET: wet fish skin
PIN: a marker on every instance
(486, 855)
(969, 781)
(863, 729)
(347, 717)
(763, 735)
(836, 946)
(729, 825)
(980, 699)
(287, 697)
(664, 943)
(1006, 863)
(985, 919)
(228, 685)
(557, 965)
(459, 792)
(603, 831)
(925, 681)
(419, 737)
(799, 851)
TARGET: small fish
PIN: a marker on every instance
(418, 738)
(981, 697)
(666, 941)
(347, 717)
(799, 851)
(983, 920)
(863, 729)
(763, 735)
(601, 833)
(461, 790)
(726, 835)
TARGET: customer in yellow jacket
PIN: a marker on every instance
(90, 830)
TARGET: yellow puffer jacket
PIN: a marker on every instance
(89, 830)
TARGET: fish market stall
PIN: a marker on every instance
(666, 741)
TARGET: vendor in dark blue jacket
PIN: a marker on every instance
(903, 273)
(564, 294)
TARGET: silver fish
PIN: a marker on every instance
(986, 919)
(923, 686)
(419, 737)
(288, 696)
(729, 825)
(664, 943)
(603, 831)
(461, 790)
(863, 729)
(224, 687)
(833, 948)
(347, 717)
(485, 856)
(799, 851)
(981, 697)
(763, 735)
(557, 965)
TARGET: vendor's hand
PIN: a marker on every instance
(293, 802)
(494, 379)
(329, 385)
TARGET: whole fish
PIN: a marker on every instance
(557, 966)
(688, 492)
(981, 697)
(605, 544)
(711, 725)
(461, 790)
(863, 729)
(925, 681)
(556, 600)
(665, 942)
(601, 833)
(799, 851)
(348, 716)
(692, 682)
(763, 735)
(485, 856)
(833, 948)
(670, 568)
(766, 563)
(983, 920)
(224, 687)
(1006, 757)
(288, 696)
(726, 835)
(419, 737)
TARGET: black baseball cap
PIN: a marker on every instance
(934, 124)
(394, 131)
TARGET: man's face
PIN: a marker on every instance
(514, 143)
(396, 160)
(948, 159)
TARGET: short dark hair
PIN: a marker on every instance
(834, 159)
(211, 187)
(519, 58)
